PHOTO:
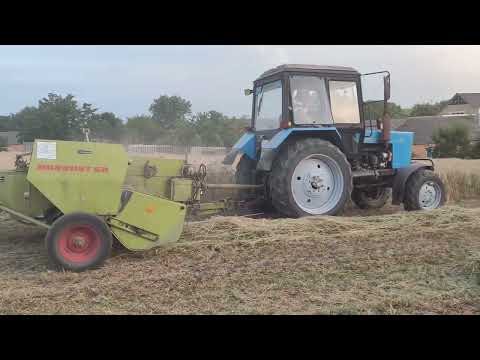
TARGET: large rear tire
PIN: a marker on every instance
(375, 198)
(78, 241)
(310, 177)
(424, 190)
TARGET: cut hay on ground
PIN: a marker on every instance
(421, 262)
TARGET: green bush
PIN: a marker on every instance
(452, 142)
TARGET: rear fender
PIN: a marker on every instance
(271, 147)
(401, 178)
(246, 145)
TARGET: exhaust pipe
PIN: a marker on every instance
(386, 127)
(387, 120)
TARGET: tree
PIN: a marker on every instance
(170, 111)
(106, 126)
(142, 129)
(208, 125)
(216, 129)
(62, 118)
(234, 128)
(6, 123)
(373, 111)
(55, 117)
(452, 141)
(427, 109)
(186, 134)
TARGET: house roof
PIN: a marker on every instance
(425, 126)
(470, 98)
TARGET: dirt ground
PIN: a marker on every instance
(7, 160)
(363, 262)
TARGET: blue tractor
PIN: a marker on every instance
(312, 147)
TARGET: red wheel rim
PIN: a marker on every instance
(78, 243)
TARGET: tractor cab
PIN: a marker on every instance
(328, 98)
(306, 95)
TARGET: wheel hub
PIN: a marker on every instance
(313, 185)
(430, 195)
(317, 184)
(78, 243)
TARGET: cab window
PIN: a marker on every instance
(268, 106)
(309, 100)
(344, 102)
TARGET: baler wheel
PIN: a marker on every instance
(78, 241)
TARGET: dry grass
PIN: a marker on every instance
(458, 165)
(393, 263)
(359, 265)
(461, 178)
(461, 185)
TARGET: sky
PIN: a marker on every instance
(125, 79)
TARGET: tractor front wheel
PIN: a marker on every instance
(78, 242)
(424, 190)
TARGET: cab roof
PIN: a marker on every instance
(310, 68)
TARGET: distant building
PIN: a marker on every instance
(425, 126)
(463, 104)
(11, 137)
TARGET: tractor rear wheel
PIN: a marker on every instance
(310, 177)
(374, 198)
(424, 190)
(78, 241)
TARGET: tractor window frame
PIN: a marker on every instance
(359, 101)
(261, 84)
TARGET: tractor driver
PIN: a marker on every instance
(304, 103)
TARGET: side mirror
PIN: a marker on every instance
(248, 92)
(386, 87)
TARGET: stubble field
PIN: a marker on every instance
(375, 262)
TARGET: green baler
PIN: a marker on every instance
(86, 194)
